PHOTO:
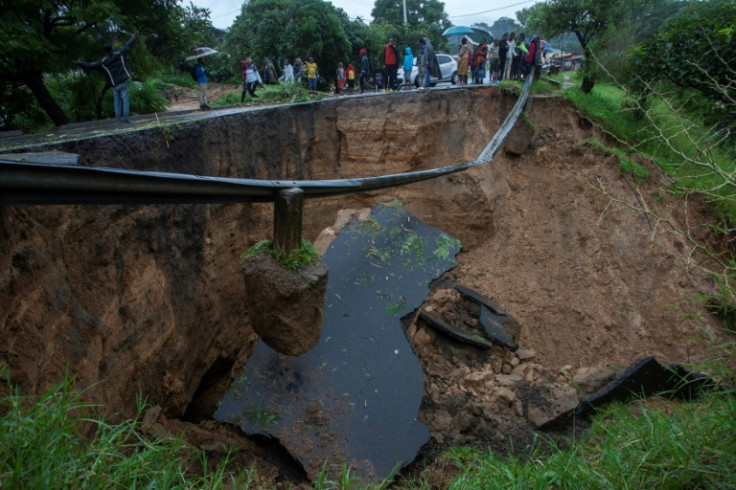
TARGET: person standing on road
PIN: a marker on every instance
(511, 44)
(311, 74)
(493, 55)
(298, 69)
(365, 69)
(503, 51)
(201, 73)
(479, 61)
(340, 78)
(463, 62)
(408, 66)
(428, 61)
(391, 62)
(113, 64)
(351, 78)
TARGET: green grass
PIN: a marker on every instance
(686, 150)
(643, 445)
(305, 256)
(282, 93)
(58, 441)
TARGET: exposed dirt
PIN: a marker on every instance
(150, 298)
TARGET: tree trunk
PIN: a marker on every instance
(34, 82)
(588, 83)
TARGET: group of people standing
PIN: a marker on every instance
(508, 58)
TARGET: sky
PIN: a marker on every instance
(460, 12)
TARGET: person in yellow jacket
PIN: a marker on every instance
(312, 73)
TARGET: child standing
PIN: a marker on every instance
(340, 77)
(351, 78)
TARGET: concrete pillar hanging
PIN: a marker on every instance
(287, 220)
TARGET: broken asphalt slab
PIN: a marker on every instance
(355, 397)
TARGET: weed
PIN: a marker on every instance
(305, 256)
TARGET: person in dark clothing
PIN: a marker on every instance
(113, 64)
(365, 69)
(503, 51)
(391, 62)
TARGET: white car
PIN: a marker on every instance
(448, 69)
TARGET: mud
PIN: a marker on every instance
(150, 299)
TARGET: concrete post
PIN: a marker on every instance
(287, 221)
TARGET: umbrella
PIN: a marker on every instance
(457, 31)
(199, 53)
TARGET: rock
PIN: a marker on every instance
(591, 379)
(285, 308)
(544, 404)
(525, 354)
(509, 379)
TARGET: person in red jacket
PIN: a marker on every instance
(391, 62)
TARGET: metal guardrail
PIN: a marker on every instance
(33, 183)
(29, 183)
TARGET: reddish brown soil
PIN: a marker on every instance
(149, 298)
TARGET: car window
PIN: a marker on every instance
(443, 58)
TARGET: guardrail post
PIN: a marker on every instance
(287, 220)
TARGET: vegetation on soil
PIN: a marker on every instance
(305, 256)
(59, 441)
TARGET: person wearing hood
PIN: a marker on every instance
(365, 69)
(350, 75)
(430, 65)
(269, 72)
(251, 78)
(408, 66)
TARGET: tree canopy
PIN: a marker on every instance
(694, 51)
(589, 20)
(290, 28)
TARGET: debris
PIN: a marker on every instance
(493, 328)
(457, 333)
(648, 377)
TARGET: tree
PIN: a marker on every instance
(505, 24)
(589, 20)
(425, 18)
(43, 37)
(695, 51)
(289, 28)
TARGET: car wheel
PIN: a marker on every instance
(416, 82)
(454, 79)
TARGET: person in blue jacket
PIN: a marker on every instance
(408, 66)
(201, 73)
(113, 64)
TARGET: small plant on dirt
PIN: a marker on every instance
(304, 256)
(628, 166)
(228, 98)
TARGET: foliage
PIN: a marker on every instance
(695, 54)
(58, 441)
(289, 28)
(425, 18)
(644, 445)
(506, 25)
(589, 20)
(628, 166)
(41, 39)
(305, 256)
